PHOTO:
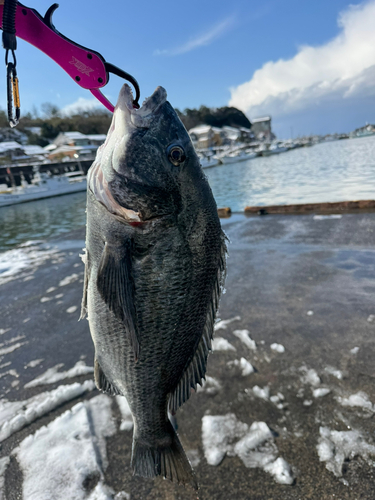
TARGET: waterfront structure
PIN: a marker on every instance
(206, 136)
(368, 129)
(261, 128)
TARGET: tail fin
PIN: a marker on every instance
(167, 460)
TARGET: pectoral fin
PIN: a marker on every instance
(116, 287)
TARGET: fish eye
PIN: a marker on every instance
(176, 155)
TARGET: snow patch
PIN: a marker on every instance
(278, 348)
(281, 471)
(277, 400)
(14, 415)
(45, 299)
(334, 447)
(71, 309)
(244, 336)
(333, 371)
(262, 393)
(221, 344)
(34, 363)
(61, 457)
(310, 376)
(7, 350)
(126, 414)
(245, 366)
(255, 447)
(52, 375)
(225, 322)
(24, 260)
(310, 313)
(69, 279)
(354, 350)
(51, 289)
(320, 392)
(210, 386)
(360, 399)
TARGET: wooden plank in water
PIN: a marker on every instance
(336, 207)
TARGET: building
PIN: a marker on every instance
(71, 139)
(261, 128)
(205, 136)
(11, 150)
(97, 139)
(8, 134)
(72, 145)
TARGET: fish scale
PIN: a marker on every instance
(153, 276)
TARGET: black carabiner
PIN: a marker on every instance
(13, 95)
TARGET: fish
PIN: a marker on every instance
(154, 271)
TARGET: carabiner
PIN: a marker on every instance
(13, 95)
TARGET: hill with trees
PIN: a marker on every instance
(97, 121)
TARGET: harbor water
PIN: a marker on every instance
(331, 171)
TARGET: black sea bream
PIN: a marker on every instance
(155, 267)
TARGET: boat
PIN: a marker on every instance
(43, 185)
(275, 149)
(236, 156)
(208, 161)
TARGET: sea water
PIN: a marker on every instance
(331, 171)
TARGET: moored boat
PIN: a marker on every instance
(42, 186)
(236, 156)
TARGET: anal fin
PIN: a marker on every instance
(101, 381)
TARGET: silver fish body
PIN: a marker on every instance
(154, 271)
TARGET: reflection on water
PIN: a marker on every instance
(332, 171)
(41, 219)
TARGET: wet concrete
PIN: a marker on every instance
(306, 283)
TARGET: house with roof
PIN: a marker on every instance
(206, 136)
(11, 150)
(74, 145)
(261, 128)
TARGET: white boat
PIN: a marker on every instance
(275, 149)
(209, 161)
(43, 186)
(236, 156)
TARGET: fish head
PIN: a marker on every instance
(148, 167)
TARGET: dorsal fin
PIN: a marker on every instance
(116, 287)
(196, 369)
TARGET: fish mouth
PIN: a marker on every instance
(141, 117)
(125, 122)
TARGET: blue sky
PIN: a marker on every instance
(287, 58)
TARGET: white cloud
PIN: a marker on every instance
(329, 78)
(81, 104)
(200, 40)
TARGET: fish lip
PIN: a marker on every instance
(140, 117)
